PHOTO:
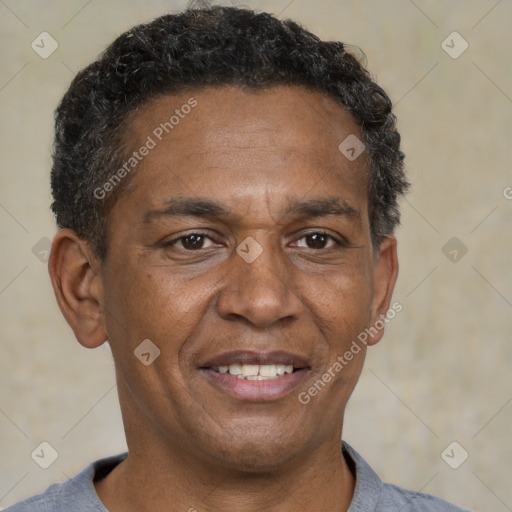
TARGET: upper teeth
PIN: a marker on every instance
(256, 371)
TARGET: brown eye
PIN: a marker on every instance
(318, 240)
(190, 242)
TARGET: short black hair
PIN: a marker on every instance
(194, 49)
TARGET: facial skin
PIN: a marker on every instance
(192, 444)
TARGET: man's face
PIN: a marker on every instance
(190, 278)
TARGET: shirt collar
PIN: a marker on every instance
(368, 485)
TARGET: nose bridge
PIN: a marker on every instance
(257, 285)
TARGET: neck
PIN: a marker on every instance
(162, 478)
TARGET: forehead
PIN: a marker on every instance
(238, 145)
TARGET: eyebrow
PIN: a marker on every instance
(208, 208)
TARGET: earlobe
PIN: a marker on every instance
(78, 287)
(385, 275)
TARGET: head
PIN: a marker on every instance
(226, 186)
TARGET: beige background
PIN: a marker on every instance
(441, 374)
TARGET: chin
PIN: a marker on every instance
(258, 453)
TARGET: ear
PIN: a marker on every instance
(78, 287)
(384, 279)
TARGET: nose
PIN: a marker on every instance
(259, 292)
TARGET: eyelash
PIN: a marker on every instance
(337, 241)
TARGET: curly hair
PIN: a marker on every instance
(200, 48)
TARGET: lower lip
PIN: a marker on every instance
(255, 390)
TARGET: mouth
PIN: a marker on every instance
(255, 376)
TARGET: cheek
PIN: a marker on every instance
(346, 300)
(344, 307)
(149, 317)
(152, 303)
(345, 316)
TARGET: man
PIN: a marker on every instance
(226, 190)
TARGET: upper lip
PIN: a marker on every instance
(252, 357)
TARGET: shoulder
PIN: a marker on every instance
(371, 495)
(396, 498)
(77, 494)
(44, 502)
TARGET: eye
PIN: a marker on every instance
(319, 240)
(190, 242)
(196, 241)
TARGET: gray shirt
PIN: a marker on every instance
(370, 495)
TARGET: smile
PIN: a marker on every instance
(255, 376)
(256, 371)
